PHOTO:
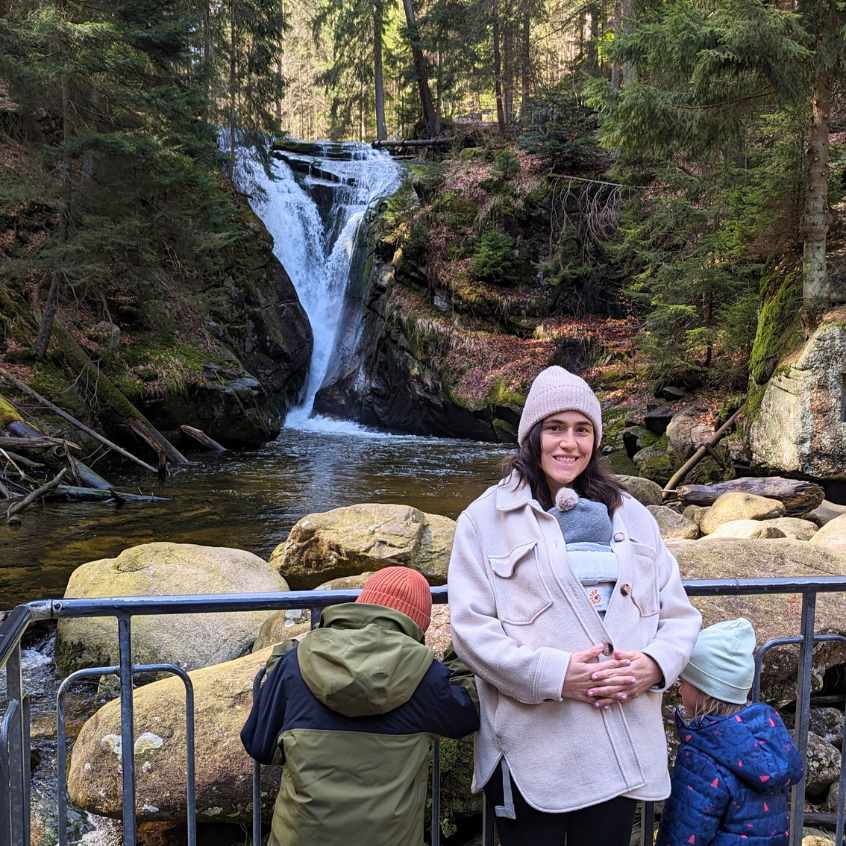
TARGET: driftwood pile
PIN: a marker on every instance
(35, 466)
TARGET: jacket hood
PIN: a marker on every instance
(363, 660)
(753, 744)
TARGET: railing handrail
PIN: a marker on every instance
(14, 731)
(52, 609)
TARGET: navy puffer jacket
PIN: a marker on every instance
(731, 781)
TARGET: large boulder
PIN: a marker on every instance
(799, 425)
(159, 569)
(773, 615)
(793, 527)
(656, 462)
(832, 535)
(739, 506)
(645, 491)
(361, 538)
(672, 524)
(686, 433)
(222, 699)
(749, 529)
(825, 512)
(823, 766)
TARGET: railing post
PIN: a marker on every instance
(17, 749)
(127, 729)
(436, 792)
(6, 808)
(257, 771)
(803, 706)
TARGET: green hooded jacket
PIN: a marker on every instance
(353, 710)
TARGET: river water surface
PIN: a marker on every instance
(245, 500)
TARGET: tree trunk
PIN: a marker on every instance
(500, 112)
(593, 40)
(508, 64)
(629, 9)
(525, 57)
(421, 71)
(48, 316)
(617, 68)
(207, 57)
(233, 85)
(378, 79)
(799, 497)
(815, 283)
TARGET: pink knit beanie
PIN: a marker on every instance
(556, 389)
(402, 589)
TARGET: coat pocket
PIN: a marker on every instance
(521, 593)
(645, 583)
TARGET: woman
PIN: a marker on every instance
(575, 621)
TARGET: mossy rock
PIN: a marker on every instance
(8, 413)
(457, 801)
(505, 431)
(620, 464)
(779, 325)
(655, 462)
(469, 154)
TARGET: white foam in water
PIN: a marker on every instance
(317, 260)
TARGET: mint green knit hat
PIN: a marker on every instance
(722, 663)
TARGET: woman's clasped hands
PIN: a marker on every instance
(622, 677)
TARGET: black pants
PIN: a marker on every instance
(606, 824)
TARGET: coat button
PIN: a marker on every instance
(618, 536)
(626, 589)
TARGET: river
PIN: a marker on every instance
(248, 500)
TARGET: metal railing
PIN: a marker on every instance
(14, 725)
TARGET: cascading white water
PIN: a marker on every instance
(318, 255)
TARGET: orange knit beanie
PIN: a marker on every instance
(402, 589)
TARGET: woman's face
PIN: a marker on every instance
(566, 448)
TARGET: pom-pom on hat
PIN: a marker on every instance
(556, 389)
(402, 589)
(722, 663)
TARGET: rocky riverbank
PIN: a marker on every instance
(214, 339)
(337, 549)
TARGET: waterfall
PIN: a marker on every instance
(314, 208)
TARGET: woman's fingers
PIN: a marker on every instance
(622, 685)
(611, 669)
(588, 656)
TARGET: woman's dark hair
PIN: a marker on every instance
(594, 482)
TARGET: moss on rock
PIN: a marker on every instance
(779, 326)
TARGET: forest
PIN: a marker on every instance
(709, 137)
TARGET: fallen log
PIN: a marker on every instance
(157, 442)
(35, 442)
(799, 497)
(112, 403)
(72, 493)
(700, 453)
(202, 438)
(414, 142)
(87, 476)
(22, 459)
(22, 386)
(20, 429)
(15, 507)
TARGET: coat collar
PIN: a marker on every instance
(512, 493)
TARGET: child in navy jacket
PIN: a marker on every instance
(735, 761)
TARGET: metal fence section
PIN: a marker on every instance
(14, 723)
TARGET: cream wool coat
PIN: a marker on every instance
(517, 612)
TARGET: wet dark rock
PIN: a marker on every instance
(657, 419)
